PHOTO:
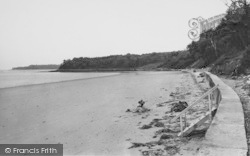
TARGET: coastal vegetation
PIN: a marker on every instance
(163, 60)
(225, 50)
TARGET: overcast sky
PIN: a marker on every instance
(49, 31)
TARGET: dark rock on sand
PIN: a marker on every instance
(135, 145)
(165, 130)
(146, 127)
(180, 106)
(128, 110)
(172, 150)
(166, 136)
(141, 110)
(157, 152)
(159, 124)
(138, 110)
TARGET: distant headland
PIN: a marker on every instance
(33, 67)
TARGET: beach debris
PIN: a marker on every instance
(140, 108)
(156, 120)
(157, 152)
(146, 127)
(234, 77)
(156, 123)
(172, 149)
(135, 145)
(164, 130)
(172, 94)
(198, 133)
(166, 136)
(165, 103)
(128, 110)
(159, 124)
(202, 81)
(179, 106)
(202, 74)
(246, 86)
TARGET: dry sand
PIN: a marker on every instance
(87, 116)
(164, 140)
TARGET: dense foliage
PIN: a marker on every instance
(225, 49)
(129, 61)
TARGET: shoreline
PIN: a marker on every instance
(115, 73)
(27, 78)
(47, 83)
(114, 70)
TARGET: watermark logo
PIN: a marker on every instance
(194, 24)
(200, 25)
(31, 149)
(7, 150)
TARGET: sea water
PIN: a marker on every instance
(14, 78)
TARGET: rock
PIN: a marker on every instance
(172, 150)
(159, 124)
(146, 127)
(141, 110)
(180, 106)
(234, 77)
(158, 152)
(166, 136)
(245, 87)
(202, 81)
(135, 145)
(165, 130)
(202, 74)
(156, 120)
(171, 94)
(128, 110)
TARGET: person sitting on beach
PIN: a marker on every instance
(141, 102)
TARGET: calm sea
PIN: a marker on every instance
(14, 78)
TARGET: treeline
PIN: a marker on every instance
(226, 49)
(48, 66)
(129, 61)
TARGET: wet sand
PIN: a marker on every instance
(87, 116)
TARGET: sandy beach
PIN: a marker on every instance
(87, 116)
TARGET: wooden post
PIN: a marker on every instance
(210, 106)
(181, 124)
(185, 120)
